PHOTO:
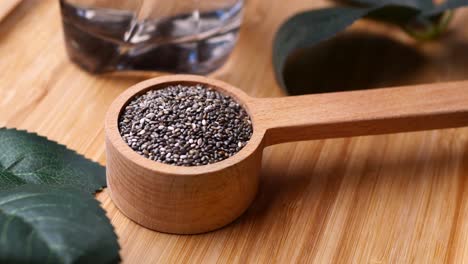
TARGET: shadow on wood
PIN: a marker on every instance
(351, 61)
(287, 187)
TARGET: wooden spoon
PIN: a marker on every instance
(187, 200)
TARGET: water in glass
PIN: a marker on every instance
(190, 36)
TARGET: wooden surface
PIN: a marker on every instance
(399, 198)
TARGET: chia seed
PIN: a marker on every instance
(185, 125)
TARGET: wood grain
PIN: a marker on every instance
(378, 199)
(363, 112)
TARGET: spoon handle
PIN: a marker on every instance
(364, 112)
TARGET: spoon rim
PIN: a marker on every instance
(114, 137)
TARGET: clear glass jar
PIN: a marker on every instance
(190, 36)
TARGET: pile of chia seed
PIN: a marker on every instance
(185, 125)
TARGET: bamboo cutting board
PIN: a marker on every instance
(399, 198)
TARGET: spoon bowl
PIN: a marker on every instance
(177, 199)
(189, 200)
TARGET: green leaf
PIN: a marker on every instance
(428, 27)
(393, 14)
(426, 6)
(307, 29)
(419, 4)
(447, 5)
(43, 224)
(430, 21)
(29, 158)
